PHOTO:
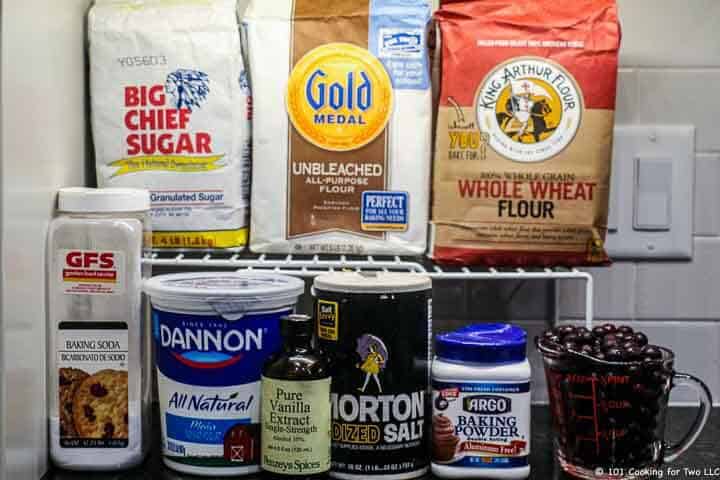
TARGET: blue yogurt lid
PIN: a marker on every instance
(484, 343)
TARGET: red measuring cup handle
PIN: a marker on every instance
(672, 452)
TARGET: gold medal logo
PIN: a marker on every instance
(339, 97)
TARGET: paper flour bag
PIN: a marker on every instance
(342, 125)
(524, 131)
(170, 113)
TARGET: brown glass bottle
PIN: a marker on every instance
(296, 406)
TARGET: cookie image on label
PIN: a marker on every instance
(374, 355)
(100, 406)
(69, 380)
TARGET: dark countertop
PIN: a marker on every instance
(704, 454)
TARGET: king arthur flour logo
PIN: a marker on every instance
(530, 107)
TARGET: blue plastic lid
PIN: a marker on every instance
(485, 343)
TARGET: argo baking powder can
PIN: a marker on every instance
(375, 329)
(213, 332)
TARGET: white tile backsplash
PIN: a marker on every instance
(670, 33)
(681, 97)
(707, 195)
(681, 290)
(627, 95)
(614, 294)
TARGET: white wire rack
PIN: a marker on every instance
(308, 266)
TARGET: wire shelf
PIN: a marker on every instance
(308, 266)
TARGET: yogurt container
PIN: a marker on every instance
(213, 332)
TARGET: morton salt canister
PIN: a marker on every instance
(213, 332)
(375, 328)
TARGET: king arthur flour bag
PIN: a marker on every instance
(170, 113)
(524, 131)
(342, 125)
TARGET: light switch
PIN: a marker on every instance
(653, 193)
(651, 198)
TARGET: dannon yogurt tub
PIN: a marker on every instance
(213, 332)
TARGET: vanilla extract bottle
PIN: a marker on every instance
(295, 441)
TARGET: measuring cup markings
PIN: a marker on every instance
(613, 414)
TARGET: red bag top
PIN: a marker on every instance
(594, 23)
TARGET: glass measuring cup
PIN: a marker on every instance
(609, 417)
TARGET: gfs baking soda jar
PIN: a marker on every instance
(213, 332)
(481, 403)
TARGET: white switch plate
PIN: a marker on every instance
(647, 222)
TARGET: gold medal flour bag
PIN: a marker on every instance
(171, 113)
(342, 126)
(524, 131)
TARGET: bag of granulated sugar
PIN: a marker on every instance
(342, 126)
(170, 113)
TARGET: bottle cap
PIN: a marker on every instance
(493, 343)
(296, 325)
(103, 200)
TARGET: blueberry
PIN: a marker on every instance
(587, 338)
(609, 328)
(651, 351)
(641, 339)
(586, 349)
(571, 337)
(614, 354)
(571, 346)
(625, 329)
(598, 331)
(610, 341)
(634, 352)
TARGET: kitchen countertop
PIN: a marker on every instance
(705, 454)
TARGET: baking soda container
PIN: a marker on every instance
(98, 361)
(481, 403)
(375, 329)
(213, 332)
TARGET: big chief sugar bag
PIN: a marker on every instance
(342, 126)
(524, 131)
(170, 113)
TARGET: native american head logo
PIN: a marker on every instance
(189, 89)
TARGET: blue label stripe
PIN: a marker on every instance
(484, 387)
(207, 431)
(491, 462)
(398, 37)
(385, 209)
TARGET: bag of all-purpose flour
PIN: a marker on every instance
(524, 131)
(171, 113)
(342, 125)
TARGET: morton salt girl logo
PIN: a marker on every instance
(339, 97)
(530, 108)
(158, 119)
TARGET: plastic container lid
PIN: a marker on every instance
(103, 200)
(372, 282)
(229, 294)
(493, 343)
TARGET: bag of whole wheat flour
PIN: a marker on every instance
(342, 125)
(524, 131)
(170, 113)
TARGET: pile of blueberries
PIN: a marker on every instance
(605, 342)
(630, 394)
